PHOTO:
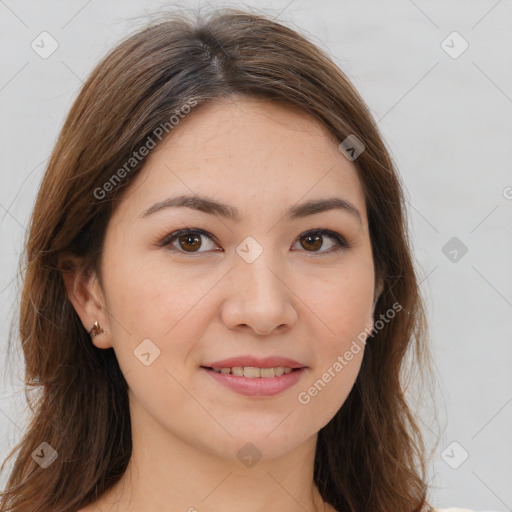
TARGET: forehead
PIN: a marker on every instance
(248, 152)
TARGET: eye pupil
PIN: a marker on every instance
(189, 239)
(313, 241)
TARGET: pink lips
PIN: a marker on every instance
(261, 386)
(266, 362)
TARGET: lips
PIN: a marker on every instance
(255, 362)
(253, 372)
(253, 376)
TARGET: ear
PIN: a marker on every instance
(84, 292)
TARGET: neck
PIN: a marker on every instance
(166, 472)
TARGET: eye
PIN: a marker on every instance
(190, 240)
(187, 240)
(315, 240)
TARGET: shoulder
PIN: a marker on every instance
(452, 509)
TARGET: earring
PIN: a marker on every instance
(95, 330)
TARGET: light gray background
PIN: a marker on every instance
(448, 124)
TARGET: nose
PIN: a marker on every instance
(259, 298)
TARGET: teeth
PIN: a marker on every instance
(252, 372)
(266, 372)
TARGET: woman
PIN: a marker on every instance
(219, 294)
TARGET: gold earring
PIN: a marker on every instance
(95, 330)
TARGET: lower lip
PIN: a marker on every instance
(259, 386)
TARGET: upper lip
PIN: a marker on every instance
(257, 362)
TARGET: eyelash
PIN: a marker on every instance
(171, 237)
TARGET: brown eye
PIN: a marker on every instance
(190, 242)
(313, 242)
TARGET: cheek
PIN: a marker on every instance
(343, 303)
(326, 391)
(149, 301)
(146, 303)
(338, 355)
(170, 308)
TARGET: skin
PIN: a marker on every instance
(295, 300)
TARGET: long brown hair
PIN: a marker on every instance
(371, 455)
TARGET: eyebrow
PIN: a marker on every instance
(212, 207)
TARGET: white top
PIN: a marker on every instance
(454, 509)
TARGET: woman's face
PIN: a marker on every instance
(254, 281)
